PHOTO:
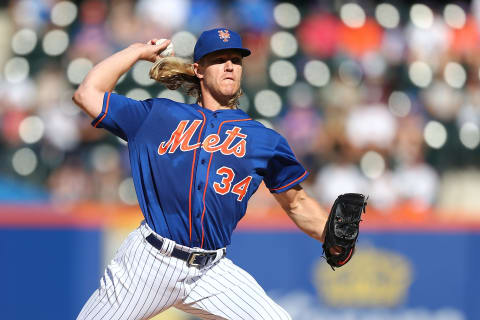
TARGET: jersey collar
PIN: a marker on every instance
(223, 113)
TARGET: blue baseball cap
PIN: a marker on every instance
(216, 40)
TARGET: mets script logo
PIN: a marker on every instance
(182, 135)
(224, 35)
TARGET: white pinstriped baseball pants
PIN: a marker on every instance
(142, 281)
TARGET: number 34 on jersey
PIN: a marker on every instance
(240, 188)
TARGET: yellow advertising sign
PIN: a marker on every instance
(373, 278)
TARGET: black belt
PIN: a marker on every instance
(195, 259)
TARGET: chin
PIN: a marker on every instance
(229, 92)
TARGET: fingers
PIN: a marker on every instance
(150, 51)
(164, 44)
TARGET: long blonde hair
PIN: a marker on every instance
(174, 72)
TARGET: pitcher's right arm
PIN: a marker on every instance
(104, 76)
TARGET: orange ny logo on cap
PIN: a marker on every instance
(224, 35)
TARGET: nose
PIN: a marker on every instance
(228, 65)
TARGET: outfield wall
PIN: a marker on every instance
(51, 260)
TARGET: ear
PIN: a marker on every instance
(198, 70)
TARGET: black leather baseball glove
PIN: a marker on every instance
(342, 228)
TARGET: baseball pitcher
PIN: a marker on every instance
(195, 166)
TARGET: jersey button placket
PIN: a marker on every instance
(201, 173)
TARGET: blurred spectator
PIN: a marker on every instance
(371, 126)
(338, 175)
(318, 34)
(253, 15)
(359, 41)
(204, 15)
(70, 183)
(413, 179)
(164, 14)
(380, 102)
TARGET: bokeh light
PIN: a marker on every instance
(62, 131)
(183, 43)
(172, 95)
(372, 165)
(16, 69)
(470, 135)
(420, 74)
(55, 42)
(352, 15)
(266, 123)
(77, 70)
(300, 95)
(24, 161)
(454, 16)
(387, 15)
(24, 41)
(68, 106)
(126, 192)
(317, 73)
(283, 73)
(17, 94)
(455, 75)
(399, 103)
(63, 13)
(284, 44)
(350, 73)
(140, 73)
(27, 13)
(286, 15)
(244, 102)
(31, 129)
(435, 134)
(421, 16)
(105, 158)
(374, 64)
(268, 103)
(138, 94)
(122, 77)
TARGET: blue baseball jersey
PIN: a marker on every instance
(194, 169)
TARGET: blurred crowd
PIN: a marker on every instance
(378, 98)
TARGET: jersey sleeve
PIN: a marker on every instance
(283, 170)
(122, 116)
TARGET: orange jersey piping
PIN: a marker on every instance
(106, 111)
(291, 182)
